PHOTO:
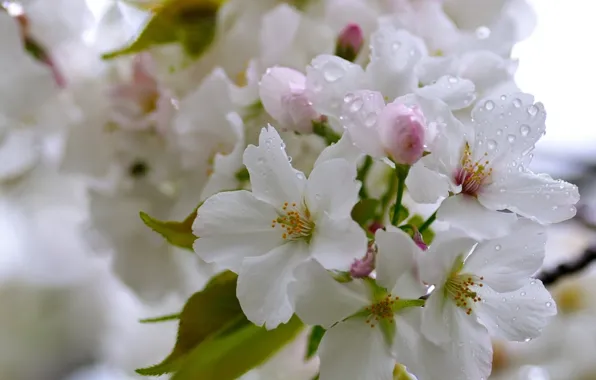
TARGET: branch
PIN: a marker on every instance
(551, 276)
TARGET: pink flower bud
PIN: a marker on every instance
(282, 92)
(363, 267)
(419, 240)
(401, 129)
(349, 42)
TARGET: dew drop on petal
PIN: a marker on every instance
(300, 175)
(532, 110)
(498, 247)
(511, 138)
(282, 145)
(290, 159)
(517, 102)
(549, 304)
(524, 129)
(348, 98)
(489, 105)
(356, 106)
(482, 32)
(269, 141)
(453, 80)
(499, 132)
(491, 144)
(522, 294)
(503, 97)
(333, 73)
(395, 46)
(260, 160)
(370, 120)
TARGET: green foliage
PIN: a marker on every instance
(428, 234)
(403, 213)
(365, 211)
(176, 233)
(164, 318)
(192, 23)
(314, 339)
(216, 341)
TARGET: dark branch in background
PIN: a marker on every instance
(551, 276)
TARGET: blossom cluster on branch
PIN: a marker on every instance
(313, 136)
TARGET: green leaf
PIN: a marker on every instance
(314, 339)
(189, 22)
(365, 211)
(231, 356)
(428, 235)
(176, 233)
(164, 318)
(403, 213)
(206, 313)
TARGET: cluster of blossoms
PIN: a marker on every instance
(385, 106)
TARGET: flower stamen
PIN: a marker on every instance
(382, 310)
(472, 174)
(460, 288)
(295, 222)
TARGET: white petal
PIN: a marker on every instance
(263, 284)
(19, 153)
(456, 92)
(320, 300)
(437, 317)
(431, 68)
(437, 262)
(338, 242)
(467, 214)
(332, 189)
(506, 263)
(535, 196)
(272, 177)
(518, 315)
(425, 185)
(394, 54)
(344, 148)
(485, 69)
(507, 128)
(234, 225)
(277, 32)
(359, 115)
(328, 80)
(352, 350)
(395, 257)
(406, 343)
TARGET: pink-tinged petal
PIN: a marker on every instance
(506, 263)
(359, 115)
(282, 92)
(456, 92)
(518, 315)
(395, 259)
(232, 226)
(332, 189)
(336, 243)
(263, 284)
(467, 214)
(328, 80)
(272, 177)
(402, 131)
(394, 55)
(507, 128)
(535, 196)
(352, 350)
(437, 262)
(320, 300)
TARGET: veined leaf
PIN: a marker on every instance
(176, 233)
(189, 22)
(205, 314)
(230, 356)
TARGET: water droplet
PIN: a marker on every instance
(522, 294)
(395, 46)
(532, 110)
(527, 340)
(290, 159)
(282, 145)
(370, 120)
(453, 80)
(513, 319)
(514, 163)
(356, 106)
(317, 86)
(489, 105)
(348, 98)
(491, 144)
(318, 197)
(511, 138)
(504, 299)
(498, 247)
(555, 208)
(520, 168)
(269, 141)
(260, 160)
(499, 132)
(502, 190)
(300, 175)
(333, 73)
(533, 282)
(549, 304)
(524, 129)
(517, 102)
(482, 32)
(503, 97)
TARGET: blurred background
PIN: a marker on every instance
(66, 313)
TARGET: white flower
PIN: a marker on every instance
(484, 289)
(485, 170)
(369, 326)
(265, 234)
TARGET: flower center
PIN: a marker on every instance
(382, 310)
(295, 222)
(472, 174)
(460, 288)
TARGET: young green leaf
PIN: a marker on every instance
(176, 233)
(205, 314)
(428, 234)
(164, 318)
(365, 211)
(314, 339)
(403, 213)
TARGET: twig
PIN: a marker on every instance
(551, 276)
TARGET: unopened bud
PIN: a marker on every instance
(401, 129)
(363, 267)
(283, 95)
(374, 226)
(419, 240)
(349, 42)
